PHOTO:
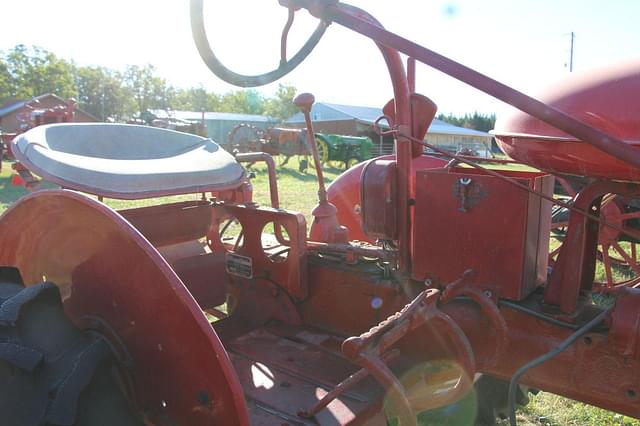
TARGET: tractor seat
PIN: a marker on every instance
(126, 161)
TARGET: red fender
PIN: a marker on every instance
(106, 270)
(344, 193)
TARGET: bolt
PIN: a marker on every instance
(428, 282)
(376, 303)
(487, 293)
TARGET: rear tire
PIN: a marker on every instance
(51, 372)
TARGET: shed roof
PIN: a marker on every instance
(214, 116)
(15, 104)
(10, 106)
(323, 111)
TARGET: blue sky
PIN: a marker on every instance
(521, 43)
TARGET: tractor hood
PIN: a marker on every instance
(606, 99)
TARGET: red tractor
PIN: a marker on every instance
(273, 141)
(447, 316)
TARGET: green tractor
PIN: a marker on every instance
(341, 150)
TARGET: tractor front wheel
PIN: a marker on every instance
(51, 372)
(323, 151)
(352, 162)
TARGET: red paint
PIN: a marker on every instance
(290, 273)
(573, 271)
(378, 200)
(605, 99)
(506, 246)
(16, 180)
(446, 222)
(345, 194)
(107, 269)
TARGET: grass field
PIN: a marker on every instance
(298, 192)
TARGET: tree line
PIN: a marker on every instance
(108, 94)
(475, 121)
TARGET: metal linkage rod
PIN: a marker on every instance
(546, 357)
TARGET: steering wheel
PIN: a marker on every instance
(285, 67)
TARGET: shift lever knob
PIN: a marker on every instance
(304, 101)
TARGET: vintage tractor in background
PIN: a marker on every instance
(273, 141)
(333, 150)
(343, 151)
(444, 311)
(33, 117)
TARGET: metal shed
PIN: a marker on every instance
(218, 124)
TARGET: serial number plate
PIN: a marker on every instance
(240, 266)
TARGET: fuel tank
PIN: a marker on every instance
(607, 99)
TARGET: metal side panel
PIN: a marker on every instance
(109, 274)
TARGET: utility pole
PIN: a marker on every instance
(571, 52)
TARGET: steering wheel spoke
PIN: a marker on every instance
(224, 73)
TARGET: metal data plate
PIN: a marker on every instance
(240, 266)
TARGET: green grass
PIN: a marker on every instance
(551, 410)
(8, 192)
(298, 192)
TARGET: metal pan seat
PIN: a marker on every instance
(126, 161)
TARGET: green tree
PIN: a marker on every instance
(146, 89)
(475, 121)
(101, 92)
(243, 102)
(6, 81)
(195, 99)
(35, 71)
(281, 106)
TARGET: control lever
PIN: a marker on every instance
(325, 213)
